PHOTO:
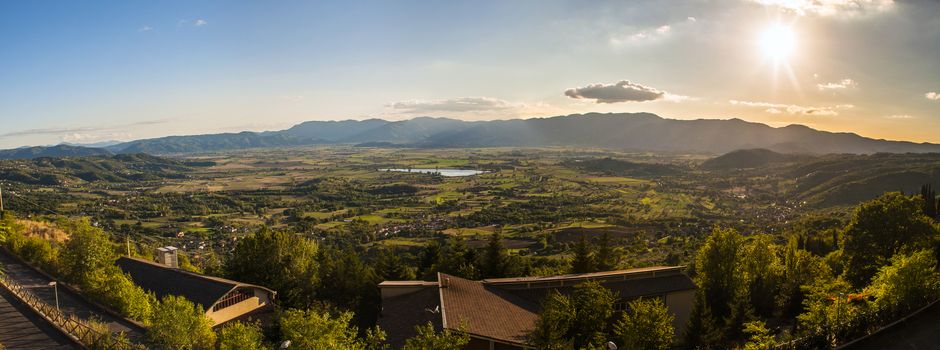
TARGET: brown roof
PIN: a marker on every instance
(162, 281)
(486, 311)
(506, 309)
(401, 314)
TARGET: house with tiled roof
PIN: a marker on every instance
(501, 313)
(223, 300)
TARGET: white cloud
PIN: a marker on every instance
(830, 8)
(200, 22)
(843, 84)
(622, 91)
(475, 106)
(651, 34)
(779, 108)
(932, 95)
(145, 29)
(900, 116)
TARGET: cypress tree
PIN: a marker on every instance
(583, 257)
(495, 263)
(930, 201)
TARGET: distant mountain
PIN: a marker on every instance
(747, 158)
(627, 131)
(101, 144)
(52, 151)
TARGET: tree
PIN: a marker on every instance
(583, 261)
(608, 258)
(346, 282)
(760, 337)
(114, 288)
(881, 228)
(554, 322)
(761, 273)
(87, 251)
(722, 290)
(578, 320)
(427, 338)
(312, 330)
(241, 336)
(646, 324)
(179, 324)
(279, 260)
(800, 268)
(390, 267)
(929, 197)
(495, 258)
(909, 282)
(430, 260)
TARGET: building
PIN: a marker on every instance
(501, 313)
(224, 300)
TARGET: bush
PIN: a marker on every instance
(647, 324)
(241, 336)
(177, 323)
(911, 281)
(313, 330)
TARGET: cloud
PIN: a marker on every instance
(145, 29)
(932, 95)
(622, 91)
(461, 104)
(843, 84)
(200, 22)
(830, 8)
(475, 106)
(779, 108)
(651, 34)
(79, 130)
(900, 116)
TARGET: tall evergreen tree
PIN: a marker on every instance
(583, 257)
(608, 258)
(930, 200)
(495, 257)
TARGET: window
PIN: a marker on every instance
(233, 298)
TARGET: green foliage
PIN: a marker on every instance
(281, 261)
(241, 336)
(829, 305)
(114, 288)
(583, 261)
(760, 337)
(87, 251)
(608, 256)
(495, 258)
(881, 228)
(910, 281)
(312, 330)
(348, 283)
(800, 269)
(722, 288)
(33, 250)
(761, 272)
(179, 324)
(427, 338)
(389, 266)
(575, 320)
(646, 324)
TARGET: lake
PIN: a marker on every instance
(443, 171)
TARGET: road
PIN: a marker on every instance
(70, 303)
(22, 329)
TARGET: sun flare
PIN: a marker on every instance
(778, 42)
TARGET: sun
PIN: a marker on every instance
(777, 42)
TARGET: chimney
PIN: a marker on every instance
(445, 282)
(167, 256)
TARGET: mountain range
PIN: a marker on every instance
(624, 131)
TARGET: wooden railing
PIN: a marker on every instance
(76, 328)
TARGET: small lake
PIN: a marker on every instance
(443, 171)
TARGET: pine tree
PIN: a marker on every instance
(495, 258)
(607, 256)
(583, 257)
(930, 202)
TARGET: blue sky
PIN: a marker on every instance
(88, 71)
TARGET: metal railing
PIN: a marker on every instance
(76, 328)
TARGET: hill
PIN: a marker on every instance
(746, 158)
(625, 131)
(123, 168)
(52, 151)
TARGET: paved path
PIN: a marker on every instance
(22, 329)
(70, 303)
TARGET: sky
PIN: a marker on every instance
(91, 71)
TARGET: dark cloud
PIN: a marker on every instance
(622, 91)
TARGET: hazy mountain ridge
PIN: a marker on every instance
(630, 131)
